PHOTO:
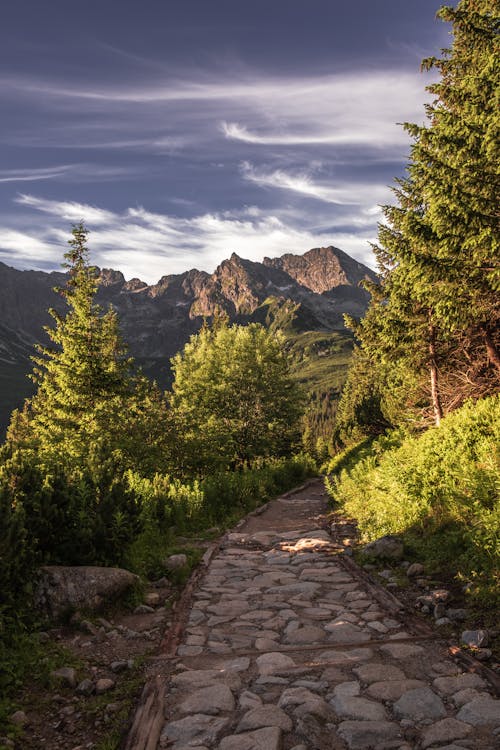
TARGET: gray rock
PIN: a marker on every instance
(342, 631)
(393, 689)
(360, 735)
(63, 589)
(444, 731)
(388, 547)
(307, 634)
(274, 663)
(349, 707)
(295, 697)
(196, 730)
(249, 700)
(402, 650)
(65, 676)
(442, 621)
(85, 687)
(143, 609)
(450, 685)
(351, 688)
(419, 704)
(475, 638)
(481, 712)
(416, 569)
(200, 678)
(174, 562)
(268, 738)
(378, 673)
(104, 685)
(210, 700)
(265, 716)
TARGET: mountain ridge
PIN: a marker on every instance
(157, 319)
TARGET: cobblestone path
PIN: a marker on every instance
(287, 647)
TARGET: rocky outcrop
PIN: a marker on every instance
(66, 589)
(157, 320)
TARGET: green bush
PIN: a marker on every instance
(439, 489)
(169, 508)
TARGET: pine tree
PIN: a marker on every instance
(453, 235)
(90, 407)
(438, 251)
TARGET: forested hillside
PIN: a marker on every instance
(429, 343)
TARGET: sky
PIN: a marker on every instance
(181, 131)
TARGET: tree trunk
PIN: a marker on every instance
(436, 401)
(493, 355)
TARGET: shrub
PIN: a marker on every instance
(440, 489)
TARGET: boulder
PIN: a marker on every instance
(388, 547)
(174, 562)
(64, 589)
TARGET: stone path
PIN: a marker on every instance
(285, 647)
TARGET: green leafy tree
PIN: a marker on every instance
(89, 405)
(233, 398)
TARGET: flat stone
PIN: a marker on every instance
(402, 650)
(444, 731)
(351, 688)
(249, 700)
(209, 700)
(229, 609)
(189, 650)
(304, 587)
(295, 696)
(393, 689)
(349, 707)
(307, 634)
(378, 673)
(450, 685)
(481, 712)
(379, 627)
(240, 664)
(419, 704)
(466, 696)
(345, 657)
(196, 729)
(345, 632)
(360, 735)
(199, 678)
(265, 716)
(268, 738)
(85, 687)
(264, 644)
(274, 663)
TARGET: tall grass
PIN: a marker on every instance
(170, 508)
(440, 490)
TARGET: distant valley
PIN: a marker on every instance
(304, 295)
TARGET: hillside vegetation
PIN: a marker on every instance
(439, 491)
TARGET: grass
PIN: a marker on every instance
(439, 491)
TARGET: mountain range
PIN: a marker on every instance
(305, 293)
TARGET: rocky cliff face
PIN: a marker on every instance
(158, 319)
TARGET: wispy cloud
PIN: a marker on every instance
(33, 175)
(354, 194)
(150, 244)
(66, 210)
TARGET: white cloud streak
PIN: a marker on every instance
(148, 245)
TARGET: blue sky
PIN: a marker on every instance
(184, 130)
